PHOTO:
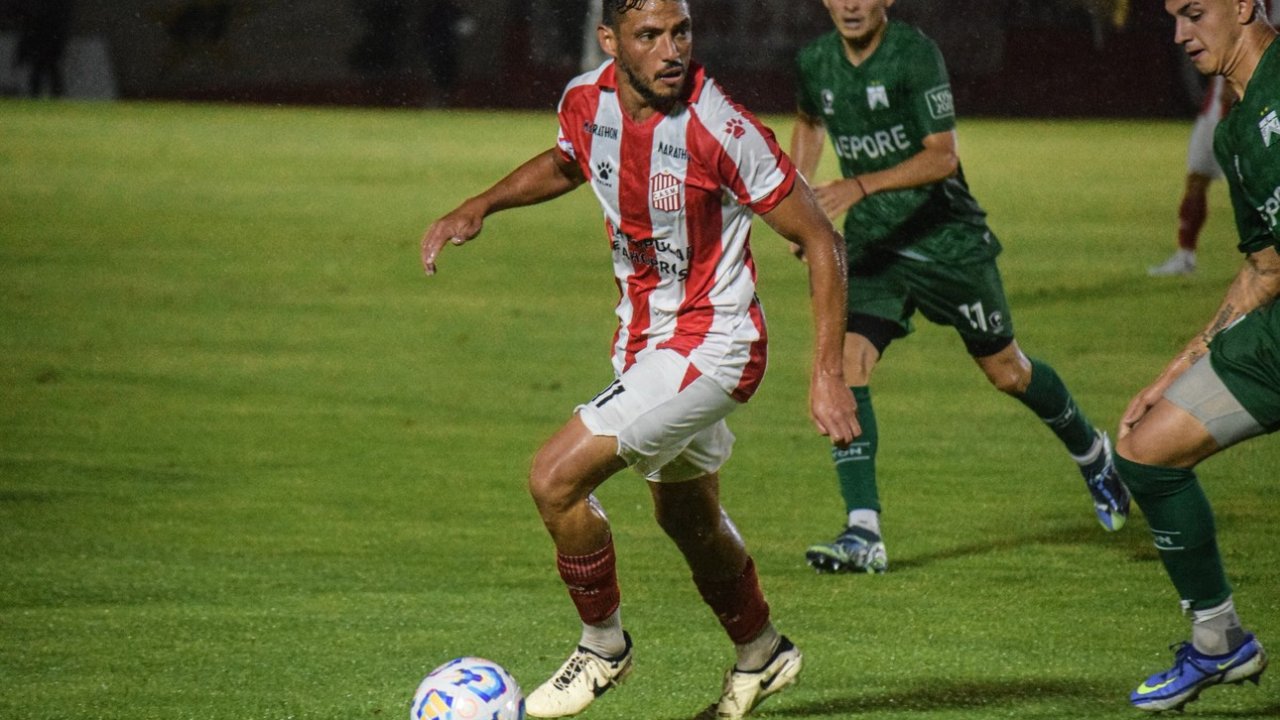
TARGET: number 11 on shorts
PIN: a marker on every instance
(614, 390)
(976, 317)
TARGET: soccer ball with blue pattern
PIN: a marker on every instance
(468, 688)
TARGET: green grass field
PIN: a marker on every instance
(253, 465)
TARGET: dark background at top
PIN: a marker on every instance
(1038, 58)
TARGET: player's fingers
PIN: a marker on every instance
(430, 249)
(432, 243)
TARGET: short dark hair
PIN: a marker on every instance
(614, 8)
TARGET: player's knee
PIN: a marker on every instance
(690, 516)
(683, 527)
(548, 487)
(1137, 447)
(1010, 379)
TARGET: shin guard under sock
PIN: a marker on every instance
(738, 603)
(856, 464)
(1182, 525)
(592, 581)
(1047, 396)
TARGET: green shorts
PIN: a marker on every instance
(968, 297)
(1246, 356)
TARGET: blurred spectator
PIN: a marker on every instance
(44, 28)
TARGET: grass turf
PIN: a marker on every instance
(254, 465)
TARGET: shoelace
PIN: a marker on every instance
(1099, 483)
(572, 669)
(1181, 655)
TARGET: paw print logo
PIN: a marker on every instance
(736, 128)
(604, 170)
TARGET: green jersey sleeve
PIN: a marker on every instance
(934, 108)
(805, 101)
(1247, 146)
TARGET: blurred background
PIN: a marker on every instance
(1045, 58)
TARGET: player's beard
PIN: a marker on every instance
(646, 90)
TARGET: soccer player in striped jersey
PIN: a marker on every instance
(1224, 387)
(917, 240)
(679, 170)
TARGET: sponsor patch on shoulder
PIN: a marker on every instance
(941, 104)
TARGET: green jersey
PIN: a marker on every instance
(877, 115)
(1247, 145)
(1246, 355)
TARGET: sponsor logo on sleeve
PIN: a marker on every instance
(941, 104)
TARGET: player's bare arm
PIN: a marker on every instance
(808, 138)
(937, 161)
(1257, 283)
(799, 219)
(545, 176)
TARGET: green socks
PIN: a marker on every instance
(1182, 524)
(1047, 396)
(856, 464)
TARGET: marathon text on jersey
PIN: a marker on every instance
(603, 131)
(673, 151)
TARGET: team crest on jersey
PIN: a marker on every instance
(1270, 127)
(877, 96)
(665, 192)
(828, 102)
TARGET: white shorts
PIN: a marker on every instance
(667, 417)
(1200, 158)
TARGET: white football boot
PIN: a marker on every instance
(743, 690)
(582, 678)
(1182, 262)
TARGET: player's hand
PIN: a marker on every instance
(457, 228)
(1139, 406)
(837, 196)
(833, 409)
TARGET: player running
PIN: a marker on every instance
(679, 171)
(917, 240)
(1224, 387)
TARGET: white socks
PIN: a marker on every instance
(865, 519)
(755, 654)
(1216, 630)
(605, 639)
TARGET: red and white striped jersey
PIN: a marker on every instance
(678, 192)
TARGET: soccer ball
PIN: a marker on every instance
(468, 688)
